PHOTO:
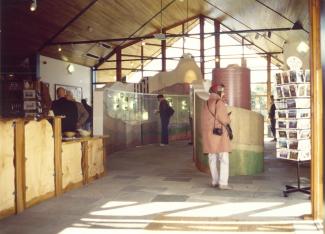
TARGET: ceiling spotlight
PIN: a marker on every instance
(33, 5)
(269, 34)
(257, 36)
(217, 59)
(143, 43)
(59, 49)
(302, 47)
(89, 29)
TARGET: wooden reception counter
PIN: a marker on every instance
(35, 164)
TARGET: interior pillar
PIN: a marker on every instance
(217, 42)
(316, 111)
(322, 39)
(118, 64)
(268, 82)
(142, 45)
(163, 53)
(202, 45)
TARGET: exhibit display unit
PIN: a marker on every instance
(293, 121)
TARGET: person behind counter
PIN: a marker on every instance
(64, 107)
(89, 121)
(82, 112)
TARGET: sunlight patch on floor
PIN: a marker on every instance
(296, 210)
(147, 208)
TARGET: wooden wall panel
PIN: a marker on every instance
(95, 158)
(71, 165)
(39, 166)
(7, 170)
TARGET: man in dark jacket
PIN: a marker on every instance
(165, 114)
(272, 117)
(89, 109)
(64, 107)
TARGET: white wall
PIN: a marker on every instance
(98, 111)
(55, 71)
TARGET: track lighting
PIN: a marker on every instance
(33, 5)
(269, 33)
(257, 36)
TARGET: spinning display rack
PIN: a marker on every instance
(293, 121)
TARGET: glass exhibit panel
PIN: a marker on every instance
(258, 102)
(132, 118)
(258, 89)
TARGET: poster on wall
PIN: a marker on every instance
(75, 90)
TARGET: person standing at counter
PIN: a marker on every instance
(64, 107)
(215, 139)
(82, 112)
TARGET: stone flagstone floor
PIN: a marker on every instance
(154, 189)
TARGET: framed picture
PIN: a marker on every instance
(30, 105)
(29, 94)
(75, 90)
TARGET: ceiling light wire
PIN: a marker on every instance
(161, 17)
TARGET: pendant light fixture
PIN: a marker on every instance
(33, 5)
(186, 30)
(160, 36)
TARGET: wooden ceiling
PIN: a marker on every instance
(23, 33)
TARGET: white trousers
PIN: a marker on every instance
(223, 158)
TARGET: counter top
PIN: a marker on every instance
(81, 139)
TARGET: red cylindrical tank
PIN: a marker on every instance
(237, 85)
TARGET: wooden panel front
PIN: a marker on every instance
(7, 170)
(71, 165)
(95, 158)
(39, 165)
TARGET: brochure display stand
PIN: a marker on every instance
(293, 121)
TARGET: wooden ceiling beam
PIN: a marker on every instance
(232, 17)
(165, 28)
(101, 61)
(67, 24)
(278, 13)
(138, 39)
(253, 44)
